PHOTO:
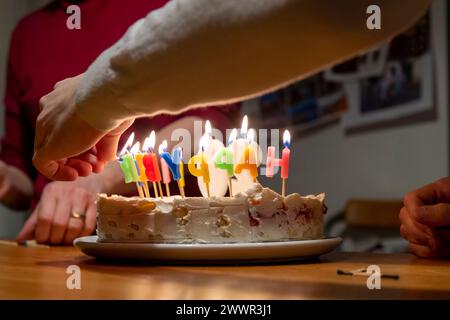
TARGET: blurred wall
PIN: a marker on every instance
(10, 13)
(380, 164)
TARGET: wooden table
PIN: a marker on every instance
(40, 273)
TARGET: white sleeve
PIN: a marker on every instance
(202, 52)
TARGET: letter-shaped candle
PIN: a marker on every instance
(224, 159)
(198, 165)
(151, 165)
(248, 158)
(165, 167)
(273, 162)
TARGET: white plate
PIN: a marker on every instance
(210, 253)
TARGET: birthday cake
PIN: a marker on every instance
(256, 215)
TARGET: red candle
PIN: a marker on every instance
(150, 162)
(273, 162)
(285, 163)
(151, 167)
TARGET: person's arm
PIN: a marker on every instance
(206, 52)
(197, 53)
(16, 189)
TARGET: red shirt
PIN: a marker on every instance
(44, 51)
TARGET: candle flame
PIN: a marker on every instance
(286, 138)
(135, 149)
(251, 135)
(149, 143)
(163, 147)
(127, 144)
(244, 126)
(232, 136)
(204, 142)
(208, 129)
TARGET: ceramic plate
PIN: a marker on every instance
(211, 253)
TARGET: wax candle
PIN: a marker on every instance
(285, 160)
(165, 167)
(177, 159)
(128, 165)
(150, 162)
(182, 182)
(198, 165)
(142, 177)
(224, 160)
(248, 159)
(173, 163)
(243, 180)
(286, 155)
(218, 185)
(273, 162)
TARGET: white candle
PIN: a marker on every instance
(243, 180)
(219, 179)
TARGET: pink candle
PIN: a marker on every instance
(285, 162)
(273, 162)
(165, 171)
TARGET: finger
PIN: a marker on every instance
(54, 170)
(437, 215)
(98, 167)
(74, 229)
(27, 232)
(91, 220)
(421, 250)
(107, 146)
(46, 210)
(428, 252)
(412, 231)
(60, 219)
(91, 158)
(432, 193)
(82, 167)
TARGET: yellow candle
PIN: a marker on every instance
(182, 182)
(198, 165)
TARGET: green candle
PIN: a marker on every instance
(128, 167)
(224, 160)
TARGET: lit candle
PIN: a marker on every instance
(248, 158)
(139, 156)
(173, 162)
(177, 158)
(243, 180)
(198, 165)
(150, 162)
(273, 162)
(224, 160)
(182, 182)
(128, 165)
(285, 160)
(218, 185)
(165, 167)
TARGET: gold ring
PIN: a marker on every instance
(77, 215)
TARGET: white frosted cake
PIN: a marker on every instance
(259, 214)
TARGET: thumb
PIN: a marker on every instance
(437, 215)
(107, 146)
(27, 232)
